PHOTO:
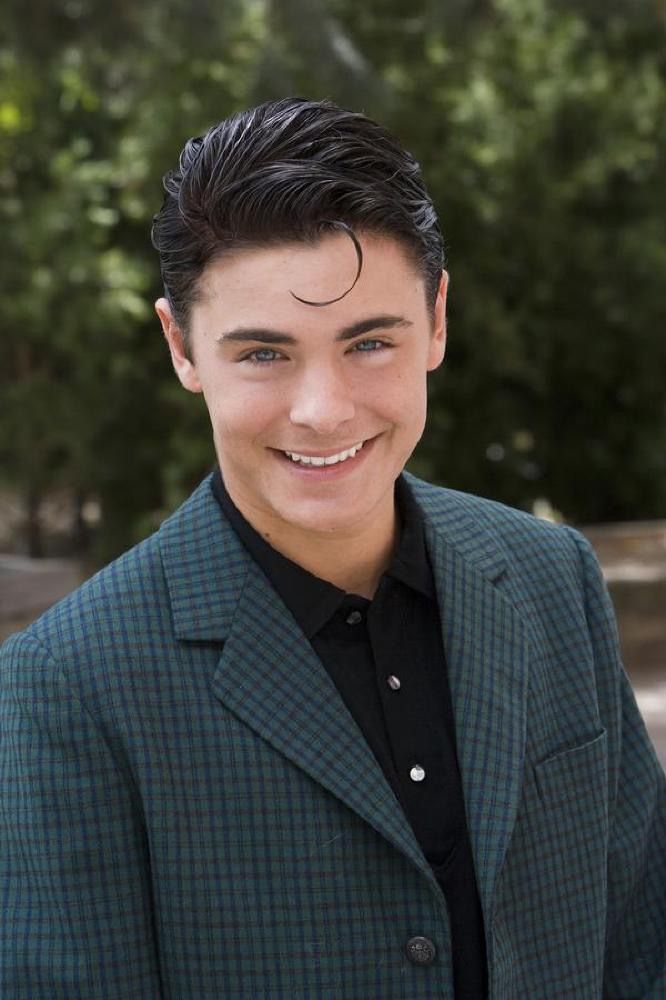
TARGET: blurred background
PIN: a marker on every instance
(540, 126)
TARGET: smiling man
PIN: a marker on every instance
(332, 732)
(315, 411)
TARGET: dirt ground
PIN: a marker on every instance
(641, 612)
(633, 558)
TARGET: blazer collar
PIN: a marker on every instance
(205, 567)
(205, 563)
(451, 519)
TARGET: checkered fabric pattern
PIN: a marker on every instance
(188, 811)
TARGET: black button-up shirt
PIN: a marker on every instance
(386, 659)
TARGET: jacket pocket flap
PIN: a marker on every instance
(573, 772)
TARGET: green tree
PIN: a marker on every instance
(89, 122)
(540, 129)
(541, 134)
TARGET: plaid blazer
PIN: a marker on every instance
(188, 811)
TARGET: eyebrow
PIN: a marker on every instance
(266, 336)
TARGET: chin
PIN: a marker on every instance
(329, 517)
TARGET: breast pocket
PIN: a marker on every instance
(562, 777)
(570, 812)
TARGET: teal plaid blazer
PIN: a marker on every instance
(188, 811)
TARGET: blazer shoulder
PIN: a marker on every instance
(123, 601)
(518, 535)
(113, 595)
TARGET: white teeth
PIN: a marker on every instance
(331, 460)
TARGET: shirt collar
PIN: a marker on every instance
(311, 600)
(410, 564)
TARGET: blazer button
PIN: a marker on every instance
(420, 951)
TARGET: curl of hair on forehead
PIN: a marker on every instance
(342, 227)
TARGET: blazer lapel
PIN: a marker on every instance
(268, 674)
(486, 646)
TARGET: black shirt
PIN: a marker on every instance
(386, 658)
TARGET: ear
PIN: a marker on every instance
(437, 346)
(184, 368)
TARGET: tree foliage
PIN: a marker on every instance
(540, 127)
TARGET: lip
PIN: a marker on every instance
(326, 471)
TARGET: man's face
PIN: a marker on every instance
(282, 378)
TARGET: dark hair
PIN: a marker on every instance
(289, 170)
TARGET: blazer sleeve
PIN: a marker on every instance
(74, 866)
(635, 959)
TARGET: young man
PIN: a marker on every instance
(331, 732)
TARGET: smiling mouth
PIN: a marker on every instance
(319, 460)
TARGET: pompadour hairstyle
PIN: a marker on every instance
(285, 171)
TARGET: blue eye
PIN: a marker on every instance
(262, 356)
(368, 346)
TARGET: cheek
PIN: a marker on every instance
(401, 395)
(241, 412)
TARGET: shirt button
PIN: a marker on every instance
(417, 773)
(420, 951)
(393, 682)
(354, 617)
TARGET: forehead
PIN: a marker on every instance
(268, 282)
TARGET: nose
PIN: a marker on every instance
(322, 400)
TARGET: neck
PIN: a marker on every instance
(355, 565)
(353, 559)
